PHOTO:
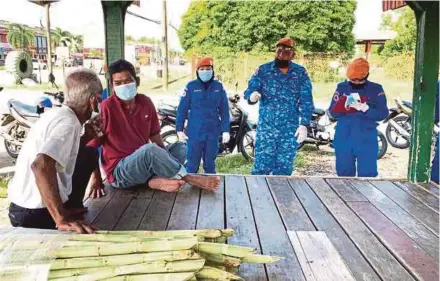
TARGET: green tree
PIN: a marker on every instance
(60, 37)
(130, 39)
(406, 29)
(75, 43)
(323, 26)
(20, 36)
(148, 40)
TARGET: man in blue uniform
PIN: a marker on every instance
(356, 135)
(286, 106)
(435, 164)
(205, 105)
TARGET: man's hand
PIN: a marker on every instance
(93, 129)
(182, 136)
(96, 190)
(96, 185)
(255, 96)
(226, 137)
(80, 227)
(301, 133)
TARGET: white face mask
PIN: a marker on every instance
(96, 112)
(126, 92)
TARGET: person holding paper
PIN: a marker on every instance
(358, 104)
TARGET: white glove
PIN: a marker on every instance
(226, 137)
(301, 133)
(182, 137)
(255, 96)
(360, 107)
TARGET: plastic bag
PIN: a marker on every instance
(25, 254)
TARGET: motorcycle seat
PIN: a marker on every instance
(319, 111)
(407, 103)
(23, 109)
(168, 112)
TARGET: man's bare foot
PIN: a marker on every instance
(205, 182)
(164, 184)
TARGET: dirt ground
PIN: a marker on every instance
(322, 163)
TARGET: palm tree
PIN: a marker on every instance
(20, 36)
(75, 43)
(60, 37)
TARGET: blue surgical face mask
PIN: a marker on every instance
(126, 92)
(205, 75)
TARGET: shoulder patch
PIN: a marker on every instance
(336, 97)
(184, 92)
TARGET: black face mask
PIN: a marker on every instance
(281, 63)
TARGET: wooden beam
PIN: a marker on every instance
(425, 83)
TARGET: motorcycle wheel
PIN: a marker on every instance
(394, 137)
(170, 137)
(246, 145)
(383, 144)
(11, 149)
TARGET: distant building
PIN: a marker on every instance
(37, 50)
(378, 37)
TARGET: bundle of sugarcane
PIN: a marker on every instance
(139, 255)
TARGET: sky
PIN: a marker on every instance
(85, 17)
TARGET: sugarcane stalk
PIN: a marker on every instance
(216, 274)
(123, 259)
(125, 248)
(141, 268)
(181, 276)
(223, 249)
(223, 260)
(260, 259)
(207, 233)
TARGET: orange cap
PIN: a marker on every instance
(358, 69)
(286, 42)
(205, 61)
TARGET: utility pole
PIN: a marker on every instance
(165, 46)
(49, 41)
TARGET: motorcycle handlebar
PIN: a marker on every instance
(58, 96)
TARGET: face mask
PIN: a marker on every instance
(281, 63)
(126, 92)
(96, 112)
(205, 75)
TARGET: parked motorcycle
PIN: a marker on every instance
(398, 131)
(16, 124)
(322, 131)
(242, 131)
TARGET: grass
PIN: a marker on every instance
(44, 86)
(236, 164)
(4, 187)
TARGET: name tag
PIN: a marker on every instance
(195, 91)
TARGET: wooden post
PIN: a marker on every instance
(49, 40)
(165, 46)
(425, 83)
(193, 66)
(367, 49)
(114, 18)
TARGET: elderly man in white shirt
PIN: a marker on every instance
(54, 165)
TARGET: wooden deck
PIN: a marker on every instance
(326, 229)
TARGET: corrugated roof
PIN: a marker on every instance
(392, 5)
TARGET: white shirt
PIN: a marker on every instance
(56, 134)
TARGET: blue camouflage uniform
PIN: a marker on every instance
(286, 101)
(205, 106)
(356, 134)
(435, 160)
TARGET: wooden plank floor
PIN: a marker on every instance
(326, 229)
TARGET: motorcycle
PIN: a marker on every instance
(322, 131)
(15, 125)
(398, 131)
(242, 131)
